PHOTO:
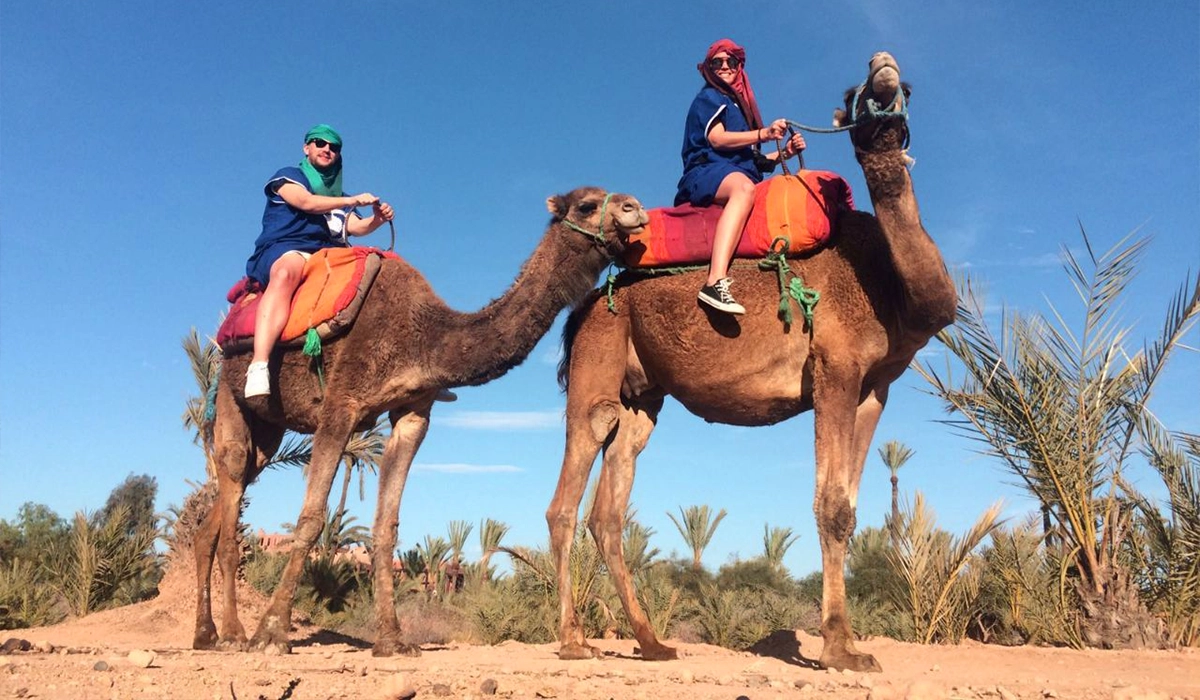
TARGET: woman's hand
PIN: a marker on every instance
(775, 130)
(794, 145)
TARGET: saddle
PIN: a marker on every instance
(333, 285)
(801, 208)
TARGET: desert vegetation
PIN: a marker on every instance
(1064, 406)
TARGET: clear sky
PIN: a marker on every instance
(135, 139)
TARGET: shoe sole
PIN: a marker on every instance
(737, 310)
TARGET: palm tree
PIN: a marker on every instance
(491, 532)
(776, 542)
(433, 555)
(361, 453)
(697, 529)
(205, 361)
(1064, 409)
(458, 531)
(894, 454)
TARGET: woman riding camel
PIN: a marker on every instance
(721, 158)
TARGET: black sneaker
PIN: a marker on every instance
(717, 296)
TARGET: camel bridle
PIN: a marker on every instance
(597, 236)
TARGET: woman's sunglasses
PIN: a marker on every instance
(718, 63)
(322, 143)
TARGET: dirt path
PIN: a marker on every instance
(100, 658)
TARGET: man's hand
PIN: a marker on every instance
(383, 211)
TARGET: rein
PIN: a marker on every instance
(897, 108)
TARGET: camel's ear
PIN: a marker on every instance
(558, 206)
(839, 117)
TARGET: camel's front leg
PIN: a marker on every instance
(607, 521)
(587, 429)
(835, 395)
(408, 431)
(598, 364)
(328, 443)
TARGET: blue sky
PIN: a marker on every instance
(135, 138)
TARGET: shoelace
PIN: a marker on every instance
(722, 287)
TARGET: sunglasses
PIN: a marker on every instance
(718, 63)
(322, 143)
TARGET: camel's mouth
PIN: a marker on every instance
(884, 76)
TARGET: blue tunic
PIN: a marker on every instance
(285, 228)
(704, 167)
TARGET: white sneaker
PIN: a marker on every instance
(258, 380)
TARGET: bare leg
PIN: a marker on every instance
(408, 431)
(737, 194)
(593, 408)
(835, 399)
(275, 304)
(608, 519)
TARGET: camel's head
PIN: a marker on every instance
(606, 218)
(877, 110)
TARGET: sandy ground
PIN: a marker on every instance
(143, 651)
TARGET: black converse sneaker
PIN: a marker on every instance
(717, 296)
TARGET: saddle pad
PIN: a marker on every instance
(335, 282)
(802, 208)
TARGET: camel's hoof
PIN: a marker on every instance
(234, 644)
(205, 638)
(270, 646)
(576, 652)
(657, 652)
(852, 661)
(395, 649)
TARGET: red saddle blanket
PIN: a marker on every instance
(335, 282)
(802, 208)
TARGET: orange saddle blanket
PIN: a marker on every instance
(335, 282)
(802, 208)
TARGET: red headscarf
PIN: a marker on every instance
(739, 90)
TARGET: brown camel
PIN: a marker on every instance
(404, 346)
(884, 293)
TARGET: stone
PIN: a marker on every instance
(1005, 693)
(13, 644)
(488, 686)
(142, 658)
(100, 666)
(397, 688)
(926, 690)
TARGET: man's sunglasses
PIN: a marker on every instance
(718, 63)
(322, 143)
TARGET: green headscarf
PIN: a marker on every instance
(326, 182)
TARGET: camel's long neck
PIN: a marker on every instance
(478, 347)
(930, 301)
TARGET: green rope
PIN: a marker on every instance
(806, 297)
(312, 348)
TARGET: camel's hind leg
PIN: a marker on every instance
(237, 464)
(329, 441)
(843, 436)
(408, 431)
(607, 521)
(593, 407)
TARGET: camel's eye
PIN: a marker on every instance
(587, 208)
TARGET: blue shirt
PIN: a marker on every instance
(285, 228)
(704, 167)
